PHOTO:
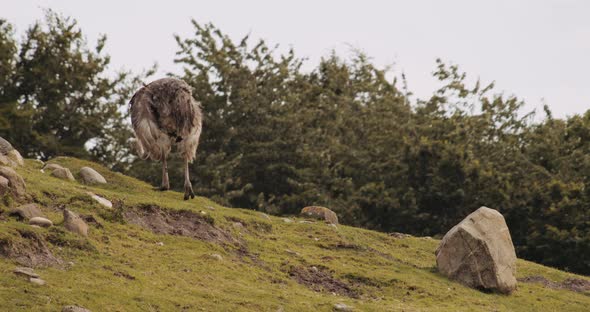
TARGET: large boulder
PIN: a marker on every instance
(28, 211)
(322, 213)
(5, 161)
(9, 156)
(75, 224)
(63, 173)
(16, 184)
(478, 252)
(90, 176)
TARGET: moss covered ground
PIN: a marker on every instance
(240, 260)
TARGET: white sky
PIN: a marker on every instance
(537, 50)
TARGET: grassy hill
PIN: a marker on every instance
(155, 252)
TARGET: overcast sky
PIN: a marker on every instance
(537, 50)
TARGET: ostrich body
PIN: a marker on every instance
(164, 113)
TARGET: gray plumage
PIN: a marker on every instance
(164, 113)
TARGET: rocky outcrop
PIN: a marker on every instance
(75, 224)
(478, 252)
(28, 211)
(90, 176)
(321, 213)
(63, 173)
(16, 184)
(9, 156)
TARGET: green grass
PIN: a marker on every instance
(120, 267)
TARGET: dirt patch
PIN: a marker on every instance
(90, 219)
(119, 273)
(363, 280)
(572, 284)
(181, 222)
(343, 245)
(28, 249)
(320, 279)
(125, 275)
(246, 256)
(256, 226)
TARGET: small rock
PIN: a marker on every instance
(101, 200)
(203, 213)
(27, 211)
(287, 220)
(40, 221)
(160, 243)
(305, 222)
(74, 308)
(63, 173)
(289, 251)
(321, 213)
(264, 215)
(91, 176)
(28, 272)
(209, 207)
(238, 225)
(217, 257)
(74, 224)
(37, 281)
(51, 167)
(16, 184)
(398, 235)
(332, 225)
(341, 307)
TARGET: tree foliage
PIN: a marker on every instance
(278, 138)
(56, 97)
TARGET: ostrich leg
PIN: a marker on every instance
(165, 181)
(188, 187)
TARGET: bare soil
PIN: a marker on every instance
(30, 250)
(180, 222)
(320, 279)
(572, 284)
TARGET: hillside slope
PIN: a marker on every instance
(155, 252)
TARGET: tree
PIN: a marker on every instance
(56, 94)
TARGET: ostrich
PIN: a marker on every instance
(164, 113)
